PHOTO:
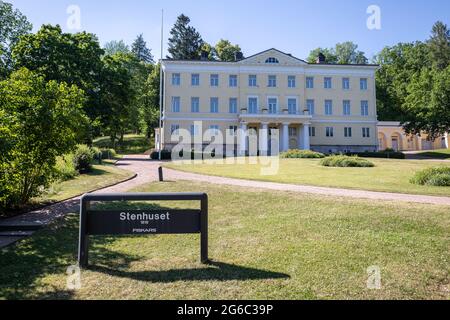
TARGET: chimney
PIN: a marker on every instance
(204, 55)
(320, 58)
(238, 56)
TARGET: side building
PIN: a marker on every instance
(322, 107)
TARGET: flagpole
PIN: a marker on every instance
(161, 87)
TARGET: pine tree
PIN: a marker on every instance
(186, 42)
(440, 45)
(140, 50)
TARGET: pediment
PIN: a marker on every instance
(273, 57)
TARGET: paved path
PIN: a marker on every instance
(34, 220)
(360, 194)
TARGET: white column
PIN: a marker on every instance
(264, 139)
(243, 139)
(306, 142)
(285, 144)
(300, 138)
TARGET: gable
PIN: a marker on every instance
(273, 57)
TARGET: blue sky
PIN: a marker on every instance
(292, 26)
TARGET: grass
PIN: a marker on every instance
(388, 175)
(101, 176)
(265, 245)
(132, 144)
(436, 154)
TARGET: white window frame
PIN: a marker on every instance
(176, 79)
(292, 82)
(178, 109)
(271, 81)
(326, 109)
(346, 112)
(366, 84)
(257, 104)
(366, 132)
(345, 81)
(194, 129)
(312, 131)
(309, 80)
(348, 132)
(192, 104)
(214, 77)
(277, 106)
(325, 81)
(364, 108)
(195, 76)
(235, 110)
(329, 132)
(232, 83)
(211, 104)
(252, 77)
(297, 107)
(175, 130)
(312, 110)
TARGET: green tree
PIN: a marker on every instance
(330, 56)
(113, 47)
(226, 51)
(40, 121)
(150, 102)
(185, 42)
(13, 24)
(64, 57)
(440, 45)
(140, 50)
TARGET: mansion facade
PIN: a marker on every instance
(321, 107)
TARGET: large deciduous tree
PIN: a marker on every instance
(185, 41)
(342, 53)
(39, 121)
(113, 47)
(13, 24)
(140, 50)
(226, 51)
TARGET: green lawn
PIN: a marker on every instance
(101, 176)
(437, 154)
(132, 144)
(264, 245)
(387, 175)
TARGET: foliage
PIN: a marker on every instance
(226, 51)
(346, 162)
(185, 41)
(64, 168)
(386, 154)
(108, 153)
(13, 25)
(343, 53)
(301, 154)
(149, 102)
(41, 120)
(83, 158)
(439, 177)
(131, 144)
(140, 50)
(113, 47)
(439, 44)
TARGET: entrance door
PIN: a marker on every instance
(395, 144)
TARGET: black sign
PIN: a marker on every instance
(142, 222)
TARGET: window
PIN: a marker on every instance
(252, 81)
(232, 130)
(292, 106)
(174, 129)
(272, 60)
(272, 82)
(330, 132)
(348, 132)
(233, 105)
(252, 105)
(346, 108)
(233, 81)
(328, 107)
(346, 83)
(214, 105)
(291, 82)
(366, 132)
(194, 130)
(176, 104)
(292, 132)
(272, 102)
(309, 83)
(214, 130)
(364, 108)
(195, 80)
(312, 131)
(214, 80)
(310, 107)
(176, 79)
(195, 105)
(363, 83)
(327, 83)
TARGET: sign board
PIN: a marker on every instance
(142, 222)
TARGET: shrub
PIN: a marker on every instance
(108, 153)
(82, 158)
(302, 154)
(346, 162)
(65, 168)
(439, 177)
(97, 154)
(385, 154)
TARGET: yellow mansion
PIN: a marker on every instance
(322, 107)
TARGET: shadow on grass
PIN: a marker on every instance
(215, 271)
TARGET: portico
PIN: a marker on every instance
(290, 131)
